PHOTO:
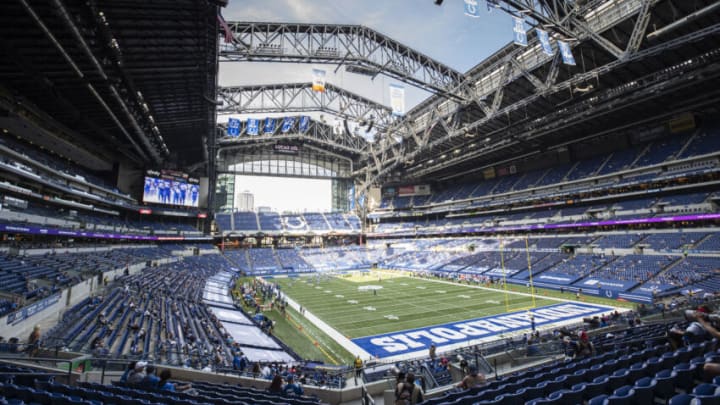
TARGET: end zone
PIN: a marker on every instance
(411, 343)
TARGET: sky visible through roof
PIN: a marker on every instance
(443, 33)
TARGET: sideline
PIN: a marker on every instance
(329, 330)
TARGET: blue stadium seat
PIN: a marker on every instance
(574, 378)
(697, 363)
(598, 400)
(706, 389)
(665, 384)
(668, 360)
(541, 401)
(565, 396)
(535, 391)
(685, 376)
(644, 391)
(594, 371)
(636, 371)
(515, 398)
(624, 395)
(497, 401)
(706, 400)
(652, 365)
(681, 399)
(555, 385)
(624, 361)
(618, 379)
(596, 387)
(684, 354)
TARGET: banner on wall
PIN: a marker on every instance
(30, 310)
(318, 83)
(472, 9)
(304, 123)
(252, 127)
(407, 191)
(566, 53)
(287, 124)
(519, 31)
(544, 41)
(233, 127)
(397, 99)
(269, 127)
(488, 173)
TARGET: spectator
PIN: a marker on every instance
(358, 366)
(584, 347)
(432, 353)
(151, 380)
(407, 392)
(166, 385)
(473, 379)
(463, 364)
(291, 387)
(33, 343)
(276, 386)
(239, 361)
(710, 370)
(130, 368)
(138, 374)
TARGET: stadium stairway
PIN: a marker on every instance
(662, 272)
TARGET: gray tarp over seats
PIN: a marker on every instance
(250, 335)
(225, 315)
(262, 355)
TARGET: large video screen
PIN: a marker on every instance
(171, 190)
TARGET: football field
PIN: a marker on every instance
(392, 315)
(365, 304)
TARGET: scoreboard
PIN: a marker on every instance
(171, 188)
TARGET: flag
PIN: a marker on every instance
(269, 127)
(287, 125)
(226, 28)
(566, 53)
(304, 123)
(318, 83)
(233, 127)
(519, 30)
(253, 126)
(471, 8)
(544, 41)
(397, 99)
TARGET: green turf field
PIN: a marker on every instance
(402, 302)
